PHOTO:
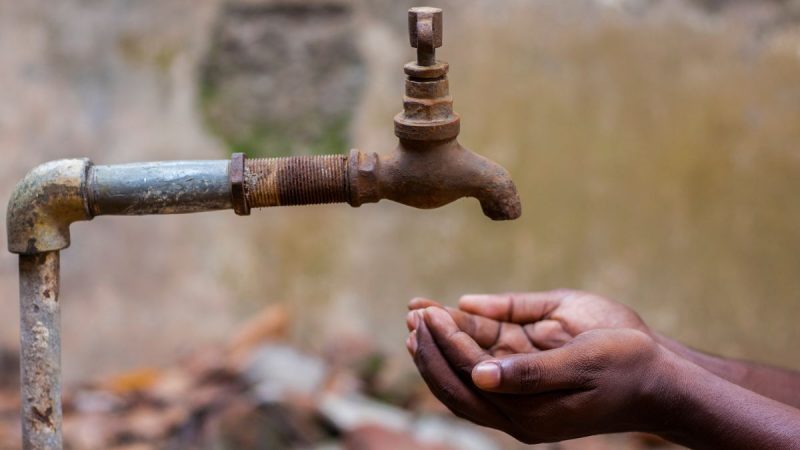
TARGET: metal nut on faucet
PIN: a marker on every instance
(432, 72)
(236, 172)
(427, 88)
(363, 174)
(428, 109)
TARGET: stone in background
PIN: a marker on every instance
(282, 77)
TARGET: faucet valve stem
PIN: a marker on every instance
(425, 33)
(427, 105)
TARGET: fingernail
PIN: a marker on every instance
(411, 320)
(487, 375)
(411, 343)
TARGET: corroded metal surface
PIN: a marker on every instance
(296, 180)
(40, 350)
(429, 168)
(56, 194)
(171, 187)
(425, 32)
(427, 105)
(44, 204)
(430, 175)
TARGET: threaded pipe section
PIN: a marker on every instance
(296, 180)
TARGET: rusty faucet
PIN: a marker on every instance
(427, 169)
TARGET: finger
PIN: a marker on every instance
(547, 334)
(460, 350)
(534, 373)
(412, 319)
(446, 386)
(411, 343)
(518, 308)
(513, 339)
(483, 330)
(421, 303)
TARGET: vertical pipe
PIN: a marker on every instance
(40, 350)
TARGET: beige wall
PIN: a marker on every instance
(655, 150)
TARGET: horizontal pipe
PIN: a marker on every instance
(297, 180)
(172, 187)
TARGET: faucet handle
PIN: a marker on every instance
(427, 105)
(425, 33)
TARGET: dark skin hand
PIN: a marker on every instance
(543, 386)
(550, 319)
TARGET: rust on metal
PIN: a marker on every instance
(425, 32)
(362, 171)
(437, 70)
(429, 168)
(296, 180)
(427, 105)
(432, 174)
(43, 205)
(40, 350)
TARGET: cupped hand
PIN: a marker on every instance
(497, 337)
(548, 319)
(600, 381)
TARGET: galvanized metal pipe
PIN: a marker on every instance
(169, 187)
(40, 350)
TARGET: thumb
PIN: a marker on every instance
(533, 373)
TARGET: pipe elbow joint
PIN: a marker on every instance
(44, 204)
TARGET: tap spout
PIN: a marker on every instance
(429, 175)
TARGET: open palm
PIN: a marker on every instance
(529, 322)
(497, 337)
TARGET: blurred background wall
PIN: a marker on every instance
(654, 144)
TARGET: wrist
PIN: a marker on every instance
(669, 394)
(695, 405)
(698, 409)
(727, 369)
